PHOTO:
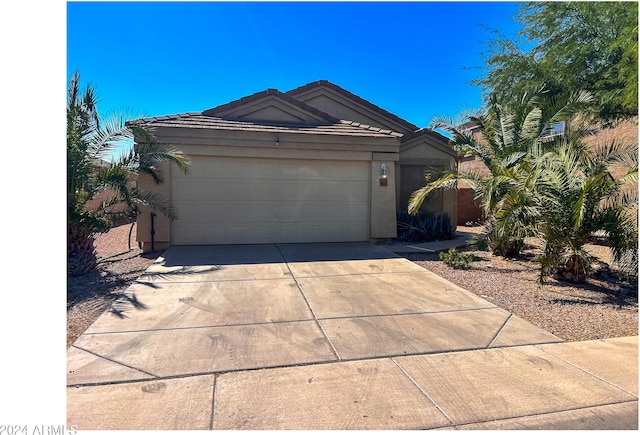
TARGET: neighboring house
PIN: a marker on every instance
(625, 132)
(315, 164)
(468, 210)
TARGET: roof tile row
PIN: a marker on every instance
(201, 121)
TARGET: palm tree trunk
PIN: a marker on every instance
(573, 270)
(81, 257)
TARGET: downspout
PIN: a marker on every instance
(153, 232)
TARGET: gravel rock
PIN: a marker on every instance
(88, 296)
(594, 310)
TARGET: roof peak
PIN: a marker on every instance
(326, 83)
(271, 92)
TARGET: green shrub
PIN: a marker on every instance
(424, 227)
(457, 260)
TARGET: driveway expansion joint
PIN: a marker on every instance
(214, 281)
(495, 337)
(182, 328)
(114, 361)
(424, 393)
(539, 414)
(315, 316)
(588, 372)
(356, 274)
(291, 365)
(412, 313)
(142, 381)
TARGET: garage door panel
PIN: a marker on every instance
(336, 171)
(251, 200)
(186, 189)
(222, 190)
(212, 212)
(287, 171)
(312, 190)
(288, 189)
(326, 212)
(334, 190)
(338, 212)
(236, 189)
(262, 189)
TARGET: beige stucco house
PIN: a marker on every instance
(315, 164)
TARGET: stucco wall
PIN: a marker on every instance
(625, 132)
(468, 210)
(161, 224)
(383, 200)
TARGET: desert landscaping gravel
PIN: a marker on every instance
(594, 310)
(88, 296)
(603, 307)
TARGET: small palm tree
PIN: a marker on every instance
(576, 196)
(89, 138)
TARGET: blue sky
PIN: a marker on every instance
(414, 59)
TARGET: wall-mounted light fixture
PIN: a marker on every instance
(383, 170)
(383, 174)
(277, 140)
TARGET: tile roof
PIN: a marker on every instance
(354, 97)
(215, 119)
(197, 120)
(425, 132)
(280, 95)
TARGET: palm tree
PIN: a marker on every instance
(576, 196)
(507, 135)
(89, 138)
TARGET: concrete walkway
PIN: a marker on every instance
(332, 336)
(462, 237)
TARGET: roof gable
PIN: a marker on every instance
(425, 136)
(271, 106)
(332, 99)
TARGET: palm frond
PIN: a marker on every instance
(617, 154)
(113, 131)
(448, 180)
(444, 123)
(155, 202)
(566, 110)
(531, 124)
(152, 153)
(513, 159)
(584, 205)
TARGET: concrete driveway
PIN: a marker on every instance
(332, 336)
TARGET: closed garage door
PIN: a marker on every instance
(226, 200)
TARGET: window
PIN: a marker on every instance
(557, 128)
